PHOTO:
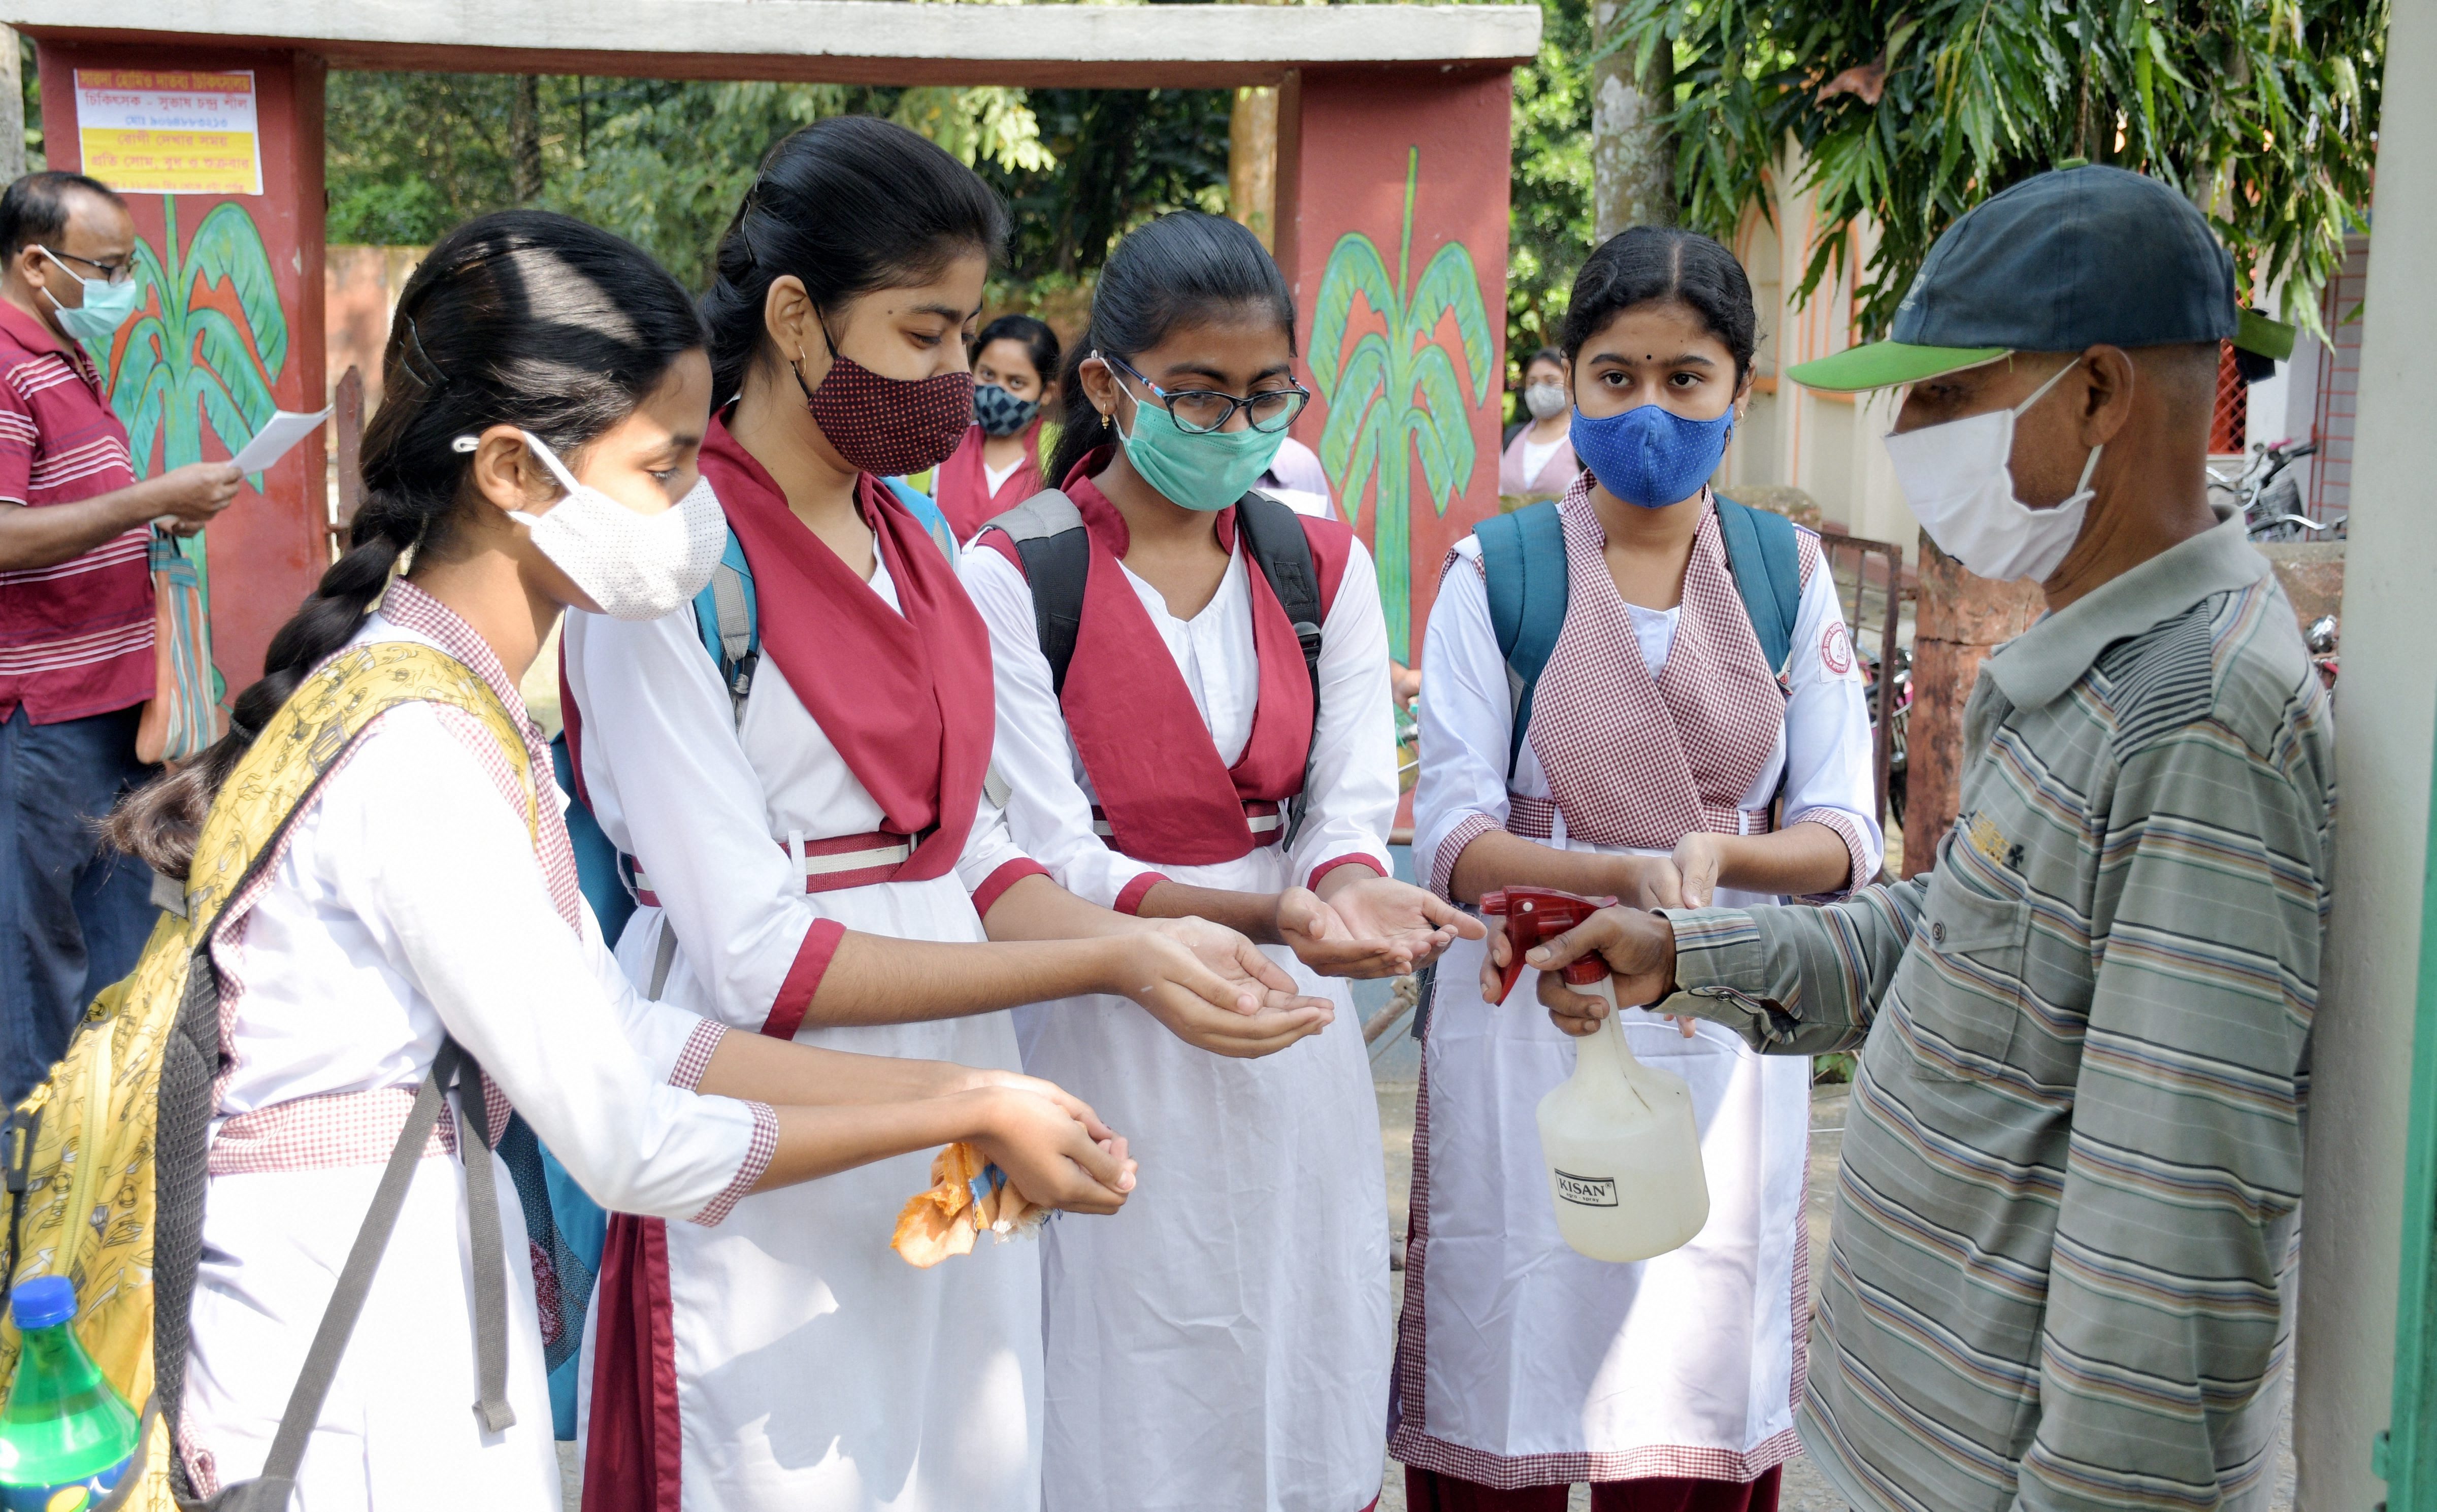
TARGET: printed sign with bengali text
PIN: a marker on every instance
(167, 132)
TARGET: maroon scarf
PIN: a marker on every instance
(962, 488)
(905, 698)
(1157, 775)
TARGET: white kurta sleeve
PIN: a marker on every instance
(1829, 767)
(660, 730)
(991, 861)
(1466, 724)
(442, 873)
(1351, 792)
(1047, 810)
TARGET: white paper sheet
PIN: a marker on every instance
(281, 432)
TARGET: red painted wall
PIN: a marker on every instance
(264, 553)
(1355, 146)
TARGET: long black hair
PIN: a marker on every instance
(1180, 269)
(1039, 341)
(1644, 265)
(848, 204)
(521, 318)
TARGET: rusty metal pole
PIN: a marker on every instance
(1959, 620)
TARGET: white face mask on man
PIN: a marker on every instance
(1957, 479)
(635, 567)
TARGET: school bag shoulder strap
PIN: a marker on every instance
(1523, 569)
(727, 618)
(303, 741)
(1054, 552)
(1274, 538)
(1766, 560)
(925, 509)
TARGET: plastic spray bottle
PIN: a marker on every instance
(66, 1434)
(1624, 1153)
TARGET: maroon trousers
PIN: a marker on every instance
(1428, 1491)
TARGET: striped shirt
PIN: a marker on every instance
(2061, 1271)
(75, 638)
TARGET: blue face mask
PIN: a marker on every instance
(1651, 456)
(105, 308)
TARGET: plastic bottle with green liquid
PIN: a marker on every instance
(66, 1434)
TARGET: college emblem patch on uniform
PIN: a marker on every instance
(1836, 650)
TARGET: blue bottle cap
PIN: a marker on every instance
(42, 1301)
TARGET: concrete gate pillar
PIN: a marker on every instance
(1391, 198)
(230, 328)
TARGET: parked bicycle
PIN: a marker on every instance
(2269, 493)
(1899, 719)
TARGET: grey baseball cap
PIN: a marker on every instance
(2066, 260)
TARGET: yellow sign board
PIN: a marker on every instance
(168, 131)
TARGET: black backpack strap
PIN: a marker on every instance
(1274, 539)
(1056, 551)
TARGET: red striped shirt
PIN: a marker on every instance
(75, 638)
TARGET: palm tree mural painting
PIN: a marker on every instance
(204, 348)
(1397, 388)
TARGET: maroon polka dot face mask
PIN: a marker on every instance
(884, 426)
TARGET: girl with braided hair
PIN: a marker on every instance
(547, 396)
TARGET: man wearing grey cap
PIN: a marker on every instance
(2061, 1268)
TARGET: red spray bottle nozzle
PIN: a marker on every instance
(1534, 916)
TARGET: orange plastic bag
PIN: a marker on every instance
(967, 1195)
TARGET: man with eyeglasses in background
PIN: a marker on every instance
(76, 611)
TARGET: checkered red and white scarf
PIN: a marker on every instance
(1637, 760)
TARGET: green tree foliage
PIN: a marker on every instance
(1913, 110)
(1118, 157)
(1549, 226)
(667, 162)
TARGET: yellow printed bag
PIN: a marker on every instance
(105, 1160)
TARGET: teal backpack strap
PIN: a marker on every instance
(726, 617)
(925, 508)
(1767, 564)
(1523, 567)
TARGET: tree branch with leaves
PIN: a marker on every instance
(1908, 113)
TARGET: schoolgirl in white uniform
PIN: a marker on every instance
(410, 902)
(826, 866)
(1229, 1346)
(1659, 741)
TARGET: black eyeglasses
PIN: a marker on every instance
(113, 273)
(1198, 412)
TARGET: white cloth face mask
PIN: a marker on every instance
(1957, 479)
(636, 566)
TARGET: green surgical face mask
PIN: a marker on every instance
(1207, 470)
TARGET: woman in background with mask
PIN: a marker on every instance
(546, 390)
(816, 858)
(998, 466)
(1660, 743)
(1231, 1348)
(1539, 460)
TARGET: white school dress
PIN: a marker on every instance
(1520, 1361)
(409, 903)
(1225, 1340)
(814, 1370)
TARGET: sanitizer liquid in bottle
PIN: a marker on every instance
(1623, 1151)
